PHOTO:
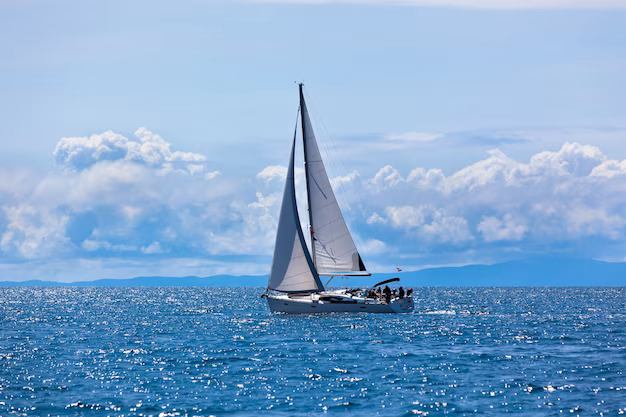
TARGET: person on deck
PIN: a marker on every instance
(387, 292)
(409, 292)
(401, 292)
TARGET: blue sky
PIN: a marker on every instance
(151, 138)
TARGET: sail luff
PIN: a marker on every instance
(332, 244)
(306, 170)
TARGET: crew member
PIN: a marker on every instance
(387, 292)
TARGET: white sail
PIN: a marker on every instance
(292, 267)
(333, 249)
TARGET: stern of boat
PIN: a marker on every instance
(402, 305)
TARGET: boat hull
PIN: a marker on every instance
(284, 304)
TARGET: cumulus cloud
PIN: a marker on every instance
(152, 248)
(376, 218)
(146, 148)
(386, 177)
(564, 195)
(443, 228)
(273, 172)
(119, 198)
(337, 182)
(432, 224)
(373, 247)
(405, 216)
(252, 228)
(211, 175)
(572, 160)
(494, 229)
(609, 169)
(116, 195)
(584, 220)
(34, 232)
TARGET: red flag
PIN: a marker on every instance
(399, 269)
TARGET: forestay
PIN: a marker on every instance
(333, 248)
(292, 267)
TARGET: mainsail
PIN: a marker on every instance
(333, 249)
(292, 268)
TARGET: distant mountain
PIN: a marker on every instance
(214, 281)
(532, 272)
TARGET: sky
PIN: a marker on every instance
(152, 138)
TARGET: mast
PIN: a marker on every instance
(303, 110)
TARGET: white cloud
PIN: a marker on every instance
(405, 216)
(137, 206)
(386, 177)
(373, 247)
(92, 245)
(557, 196)
(494, 229)
(572, 159)
(609, 169)
(341, 180)
(211, 175)
(131, 212)
(154, 247)
(446, 229)
(376, 218)
(588, 221)
(431, 224)
(147, 148)
(252, 230)
(130, 193)
(34, 232)
(273, 172)
(476, 4)
(107, 182)
(432, 178)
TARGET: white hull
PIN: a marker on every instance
(342, 304)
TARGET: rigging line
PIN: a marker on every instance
(329, 144)
(326, 141)
(324, 144)
(343, 191)
(325, 137)
(360, 201)
(330, 159)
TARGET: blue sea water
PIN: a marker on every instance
(218, 351)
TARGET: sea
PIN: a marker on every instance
(192, 351)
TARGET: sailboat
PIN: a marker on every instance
(295, 284)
